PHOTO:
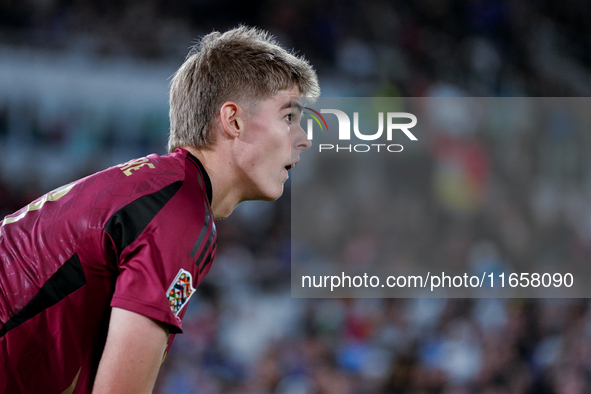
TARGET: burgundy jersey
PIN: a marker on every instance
(139, 236)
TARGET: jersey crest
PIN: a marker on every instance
(180, 291)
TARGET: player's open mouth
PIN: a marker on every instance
(290, 166)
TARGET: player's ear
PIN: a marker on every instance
(231, 119)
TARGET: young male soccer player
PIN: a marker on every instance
(95, 276)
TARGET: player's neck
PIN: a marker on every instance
(225, 195)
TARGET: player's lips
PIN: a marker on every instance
(292, 165)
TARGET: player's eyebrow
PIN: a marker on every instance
(294, 105)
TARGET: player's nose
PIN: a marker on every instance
(299, 138)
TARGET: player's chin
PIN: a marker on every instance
(274, 196)
(273, 193)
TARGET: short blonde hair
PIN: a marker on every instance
(245, 65)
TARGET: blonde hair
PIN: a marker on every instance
(245, 65)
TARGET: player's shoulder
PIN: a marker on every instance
(147, 173)
(123, 183)
(178, 168)
(174, 162)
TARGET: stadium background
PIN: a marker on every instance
(83, 86)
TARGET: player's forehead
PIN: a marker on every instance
(286, 99)
(289, 100)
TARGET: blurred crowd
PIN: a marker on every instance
(489, 47)
(385, 346)
(529, 199)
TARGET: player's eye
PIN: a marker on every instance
(289, 117)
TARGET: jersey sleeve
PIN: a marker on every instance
(161, 264)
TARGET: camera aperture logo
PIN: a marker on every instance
(345, 131)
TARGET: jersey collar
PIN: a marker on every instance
(206, 179)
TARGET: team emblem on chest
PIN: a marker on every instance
(180, 291)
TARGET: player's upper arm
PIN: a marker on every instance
(133, 354)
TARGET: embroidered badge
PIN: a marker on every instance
(180, 291)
